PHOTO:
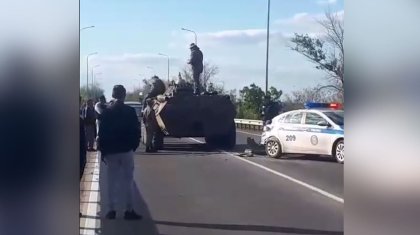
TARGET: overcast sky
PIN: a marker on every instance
(129, 34)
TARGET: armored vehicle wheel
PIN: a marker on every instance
(227, 141)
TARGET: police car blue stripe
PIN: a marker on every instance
(318, 130)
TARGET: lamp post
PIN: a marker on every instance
(189, 30)
(268, 44)
(151, 69)
(168, 64)
(89, 27)
(87, 72)
(93, 78)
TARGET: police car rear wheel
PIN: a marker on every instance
(339, 151)
(273, 148)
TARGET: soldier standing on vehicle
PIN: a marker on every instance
(196, 62)
(149, 119)
(119, 137)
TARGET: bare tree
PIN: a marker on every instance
(327, 52)
(210, 71)
(296, 99)
(144, 89)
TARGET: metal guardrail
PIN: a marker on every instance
(249, 124)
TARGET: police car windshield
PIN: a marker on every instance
(337, 117)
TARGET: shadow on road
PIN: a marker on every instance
(188, 147)
(119, 226)
(257, 228)
(293, 157)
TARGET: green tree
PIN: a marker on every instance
(274, 94)
(327, 53)
(251, 102)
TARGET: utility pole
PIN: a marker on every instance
(87, 72)
(268, 45)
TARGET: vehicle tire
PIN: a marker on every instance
(338, 151)
(210, 140)
(228, 141)
(273, 148)
(158, 141)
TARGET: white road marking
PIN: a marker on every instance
(91, 224)
(306, 185)
(248, 133)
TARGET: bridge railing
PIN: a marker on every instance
(249, 124)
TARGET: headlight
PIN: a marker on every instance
(266, 128)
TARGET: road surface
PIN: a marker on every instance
(188, 189)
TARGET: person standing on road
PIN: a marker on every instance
(99, 108)
(82, 146)
(270, 110)
(149, 120)
(89, 117)
(196, 62)
(157, 88)
(119, 137)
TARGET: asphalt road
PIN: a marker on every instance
(188, 189)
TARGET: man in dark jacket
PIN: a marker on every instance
(270, 110)
(196, 62)
(119, 137)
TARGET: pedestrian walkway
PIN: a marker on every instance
(90, 197)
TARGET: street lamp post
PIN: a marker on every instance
(268, 44)
(87, 72)
(168, 64)
(87, 27)
(189, 30)
(93, 82)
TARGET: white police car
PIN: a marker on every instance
(318, 129)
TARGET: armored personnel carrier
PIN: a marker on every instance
(180, 113)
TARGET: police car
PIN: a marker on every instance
(317, 129)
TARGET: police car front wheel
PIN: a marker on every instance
(339, 151)
(273, 148)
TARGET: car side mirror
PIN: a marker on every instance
(323, 123)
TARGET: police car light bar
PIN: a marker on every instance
(310, 105)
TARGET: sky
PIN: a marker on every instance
(128, 36)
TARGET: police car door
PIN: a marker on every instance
(316, 138)
(291, 133)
